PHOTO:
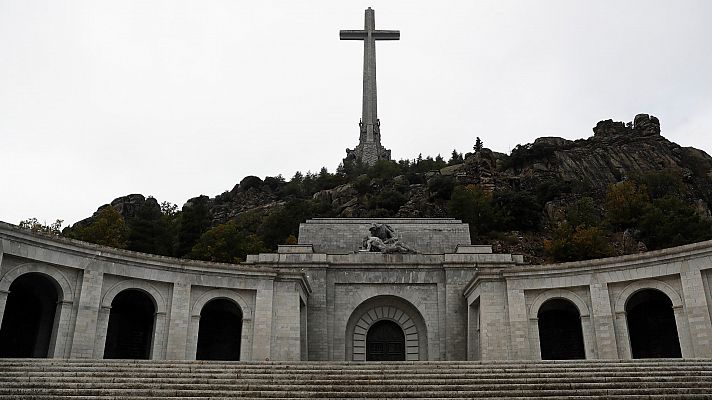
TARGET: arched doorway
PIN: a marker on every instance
(651, 325)
(389, 309)
(29, 317)
(560, 333)
(385, 341)
(220, 331)
(130, 329)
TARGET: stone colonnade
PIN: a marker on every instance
(87, 279)
(504, 302)
(298, 304)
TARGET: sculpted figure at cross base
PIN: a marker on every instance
(383, 239)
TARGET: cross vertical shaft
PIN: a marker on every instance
(370, 149)
(369, 113)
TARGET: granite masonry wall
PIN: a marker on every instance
(453, 301)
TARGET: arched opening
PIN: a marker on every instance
(130, 329)
(28, 321)
(220, 331)
(385, 341)
(651, 325)
(560, 333)
(401, 312)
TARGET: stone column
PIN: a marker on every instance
(3, 302)
(317, 320)
(494, 329)
(159, 331)
(102, 326)
(534, 339)
(603, 322)
(518, 325)
(589, 343)
(60, 333)
(698, 315)
(176, 348)
(192, 340)
(263, 321)
(456, 313)
(245, 339)
(286, 343)
(623, 336)
(85, 331)
(682, 332)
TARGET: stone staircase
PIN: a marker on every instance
(181, 380)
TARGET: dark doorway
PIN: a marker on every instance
(29, 317)
(651, 325)
(130, 326)
(220, 331)
(385, 341)
(560, 333)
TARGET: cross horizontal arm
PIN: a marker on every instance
(353, 35)
(386, 35)
(361, 35)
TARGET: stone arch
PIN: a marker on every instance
(59, 344)
(584, 313)
(159, 325)
(247, 321)
(64, 288)
(144, 286)
(391, 308)
(637, 286)
(559, 294)
(221, 294)
(621, 320)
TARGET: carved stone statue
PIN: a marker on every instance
(383, 239)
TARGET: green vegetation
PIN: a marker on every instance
(573, 221)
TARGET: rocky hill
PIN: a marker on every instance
(529, 193)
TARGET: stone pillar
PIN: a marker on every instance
(60, 333)
(518, 324)
(192, 340)
(159, 334)
(85, 331)
(602, 321)
(698, 314)
(534, 339)
(286, 343)
(102, 326)
(494, 329)
(263, 321)
(316, 316)
(589, 344)
(3, 302)
(625, 352)
(682, 332)
(456, 313)
(177, 342)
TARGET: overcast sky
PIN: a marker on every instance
(174, 99)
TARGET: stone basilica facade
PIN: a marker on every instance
(325, 299)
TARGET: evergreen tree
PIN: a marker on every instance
(195, 220)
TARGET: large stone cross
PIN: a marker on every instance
(370, 130)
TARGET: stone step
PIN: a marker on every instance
(346, 364)
(500, 393)
(527, 397)
(239, 368)
(312, 377)
(238, 385)
(129, 379)
(578, 379)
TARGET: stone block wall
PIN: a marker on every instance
(427, 236)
